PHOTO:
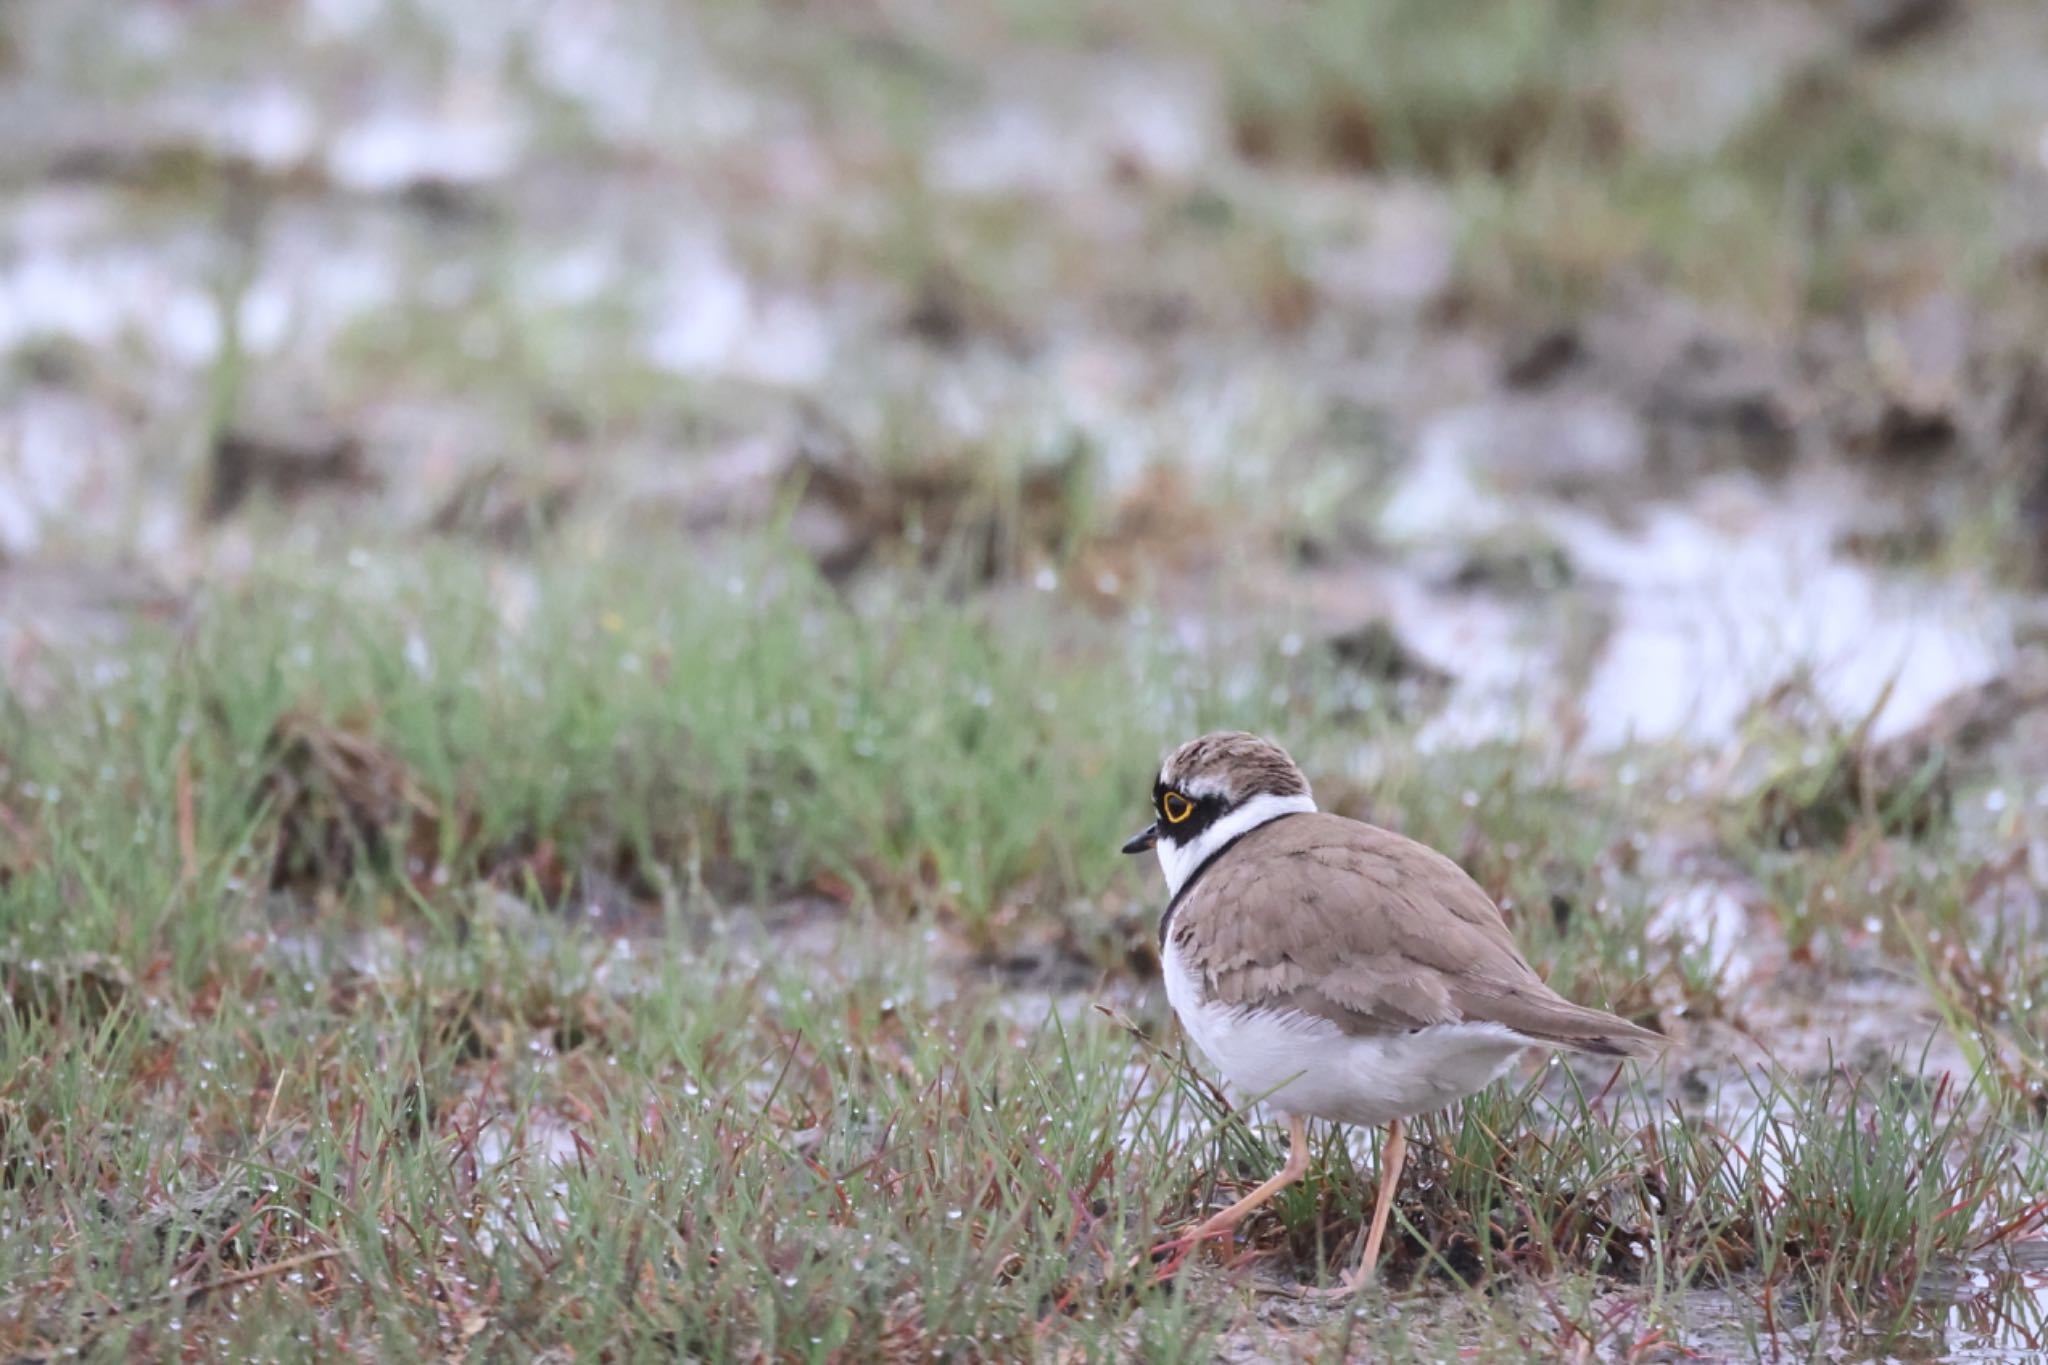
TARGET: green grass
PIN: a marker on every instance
(398, 723)
(311, 1047)
(701, 1171)
(1403, 85)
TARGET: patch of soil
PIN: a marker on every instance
(1157, 532)
(945, 310)
(945, 510)
(284, 463)
(2023, 426)
(1535, 360)
(1376, 651)
(1882, 25)
(1530, 567)
(1717, 404)
(508, 508)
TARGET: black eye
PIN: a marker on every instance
(1175, 807)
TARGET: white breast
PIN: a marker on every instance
(1301, 1064)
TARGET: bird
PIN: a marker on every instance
(1334, 969)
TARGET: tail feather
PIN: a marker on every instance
(1549, 1019)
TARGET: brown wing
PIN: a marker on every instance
(1374, 932)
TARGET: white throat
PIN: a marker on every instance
(1179, 861)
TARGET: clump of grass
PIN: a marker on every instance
(1877, 1188)
(743, 1159)
(1822, 788)
(739, 731)
(1438, 87)
(975, 515)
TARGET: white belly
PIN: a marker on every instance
(1301, 1064)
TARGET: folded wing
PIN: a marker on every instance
(1375, 932)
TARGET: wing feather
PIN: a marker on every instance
(1373, 931)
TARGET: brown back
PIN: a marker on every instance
(1373, 931)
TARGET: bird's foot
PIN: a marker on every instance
(1345, 1289)
(1349, 1285)
(1168, 1257)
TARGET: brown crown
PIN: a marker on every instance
(1235, 765)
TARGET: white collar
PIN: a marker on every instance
(1179, 861)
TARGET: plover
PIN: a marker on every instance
(1334, 969)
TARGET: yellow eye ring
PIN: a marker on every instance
(1175, 807)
